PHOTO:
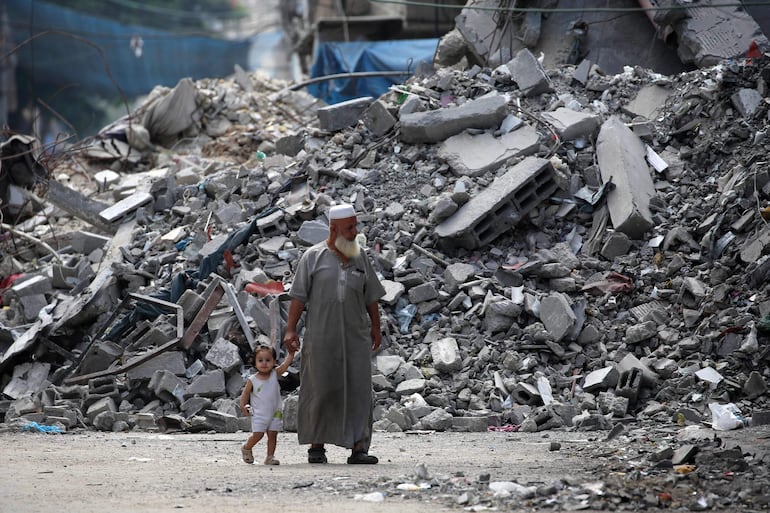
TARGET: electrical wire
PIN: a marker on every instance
(573, 9)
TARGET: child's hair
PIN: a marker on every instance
(261, 348)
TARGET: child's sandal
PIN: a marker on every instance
(271, 461)
(247, 455)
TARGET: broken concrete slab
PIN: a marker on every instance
(437, 125)
(333, 118)
(706, 37)
(474, 154)
(571, 124)
(621, 157)
(648, 102)
(529, 74)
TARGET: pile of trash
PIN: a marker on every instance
(561, 249)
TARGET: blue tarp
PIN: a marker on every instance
(334, 58)
(71, 49)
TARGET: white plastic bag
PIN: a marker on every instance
(725, 417)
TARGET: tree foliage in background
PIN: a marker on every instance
(174, 15)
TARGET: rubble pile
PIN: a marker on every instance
(561, 249)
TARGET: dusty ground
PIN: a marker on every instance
(88, 471)
(200, 473)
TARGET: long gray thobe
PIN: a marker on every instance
(335, 394)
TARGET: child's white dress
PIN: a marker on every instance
(266, 404)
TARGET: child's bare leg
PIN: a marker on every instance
(253, 439)
(272, 441)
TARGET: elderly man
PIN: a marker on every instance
(336, 283)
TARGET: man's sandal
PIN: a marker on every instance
(362, 458)
(316, 455)
(247, 455)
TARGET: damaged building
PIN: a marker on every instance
(562, 247)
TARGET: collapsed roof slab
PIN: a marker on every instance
(621, 157)
(709, 35)
(619, 34)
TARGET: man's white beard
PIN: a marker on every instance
(349, 248)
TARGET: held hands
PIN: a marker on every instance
(291, 341)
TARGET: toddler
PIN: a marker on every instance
(261, 399)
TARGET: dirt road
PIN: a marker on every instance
(425, 472)
(92, 472)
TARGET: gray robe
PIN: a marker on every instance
(335, 395)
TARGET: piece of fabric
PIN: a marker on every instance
(335, 394)
(266, 404)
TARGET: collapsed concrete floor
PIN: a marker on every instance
(562, 249)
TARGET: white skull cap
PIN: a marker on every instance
(342, 211)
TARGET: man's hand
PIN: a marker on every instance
(376, 339)
(291, 341)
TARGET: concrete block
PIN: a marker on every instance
(86, 242)
(126, 206)
(342, 115)
(423, 292)
(290, 145)
(31, 305)
(221, 422)
(525, 393)
(571, 124)
(28, 378)
(224, 354)
(437, 420)
(582, 72)
(601, 379)
(475, 154)
(172, 361)
(649, 377)
(617, 244)
(33, 285)
(760, 418)
(446, 355)
(438, 125)
(228, 215)
(471, 424)
(194, 405)
(629, 384)
(100, 356)
(456, 274)
(105, 404)
(411, 386)
(313, 232)
(648, 102)
(557, 315)
(165, 385)
(529, 74)
(393, 291)
(640, 332)
(388, 364)
(211, 384)
(191, 302)
(608, 402)
(501, 205)
(755, 385)
(378, 119)
(412, 104)
(622, 159)
(272, 224)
